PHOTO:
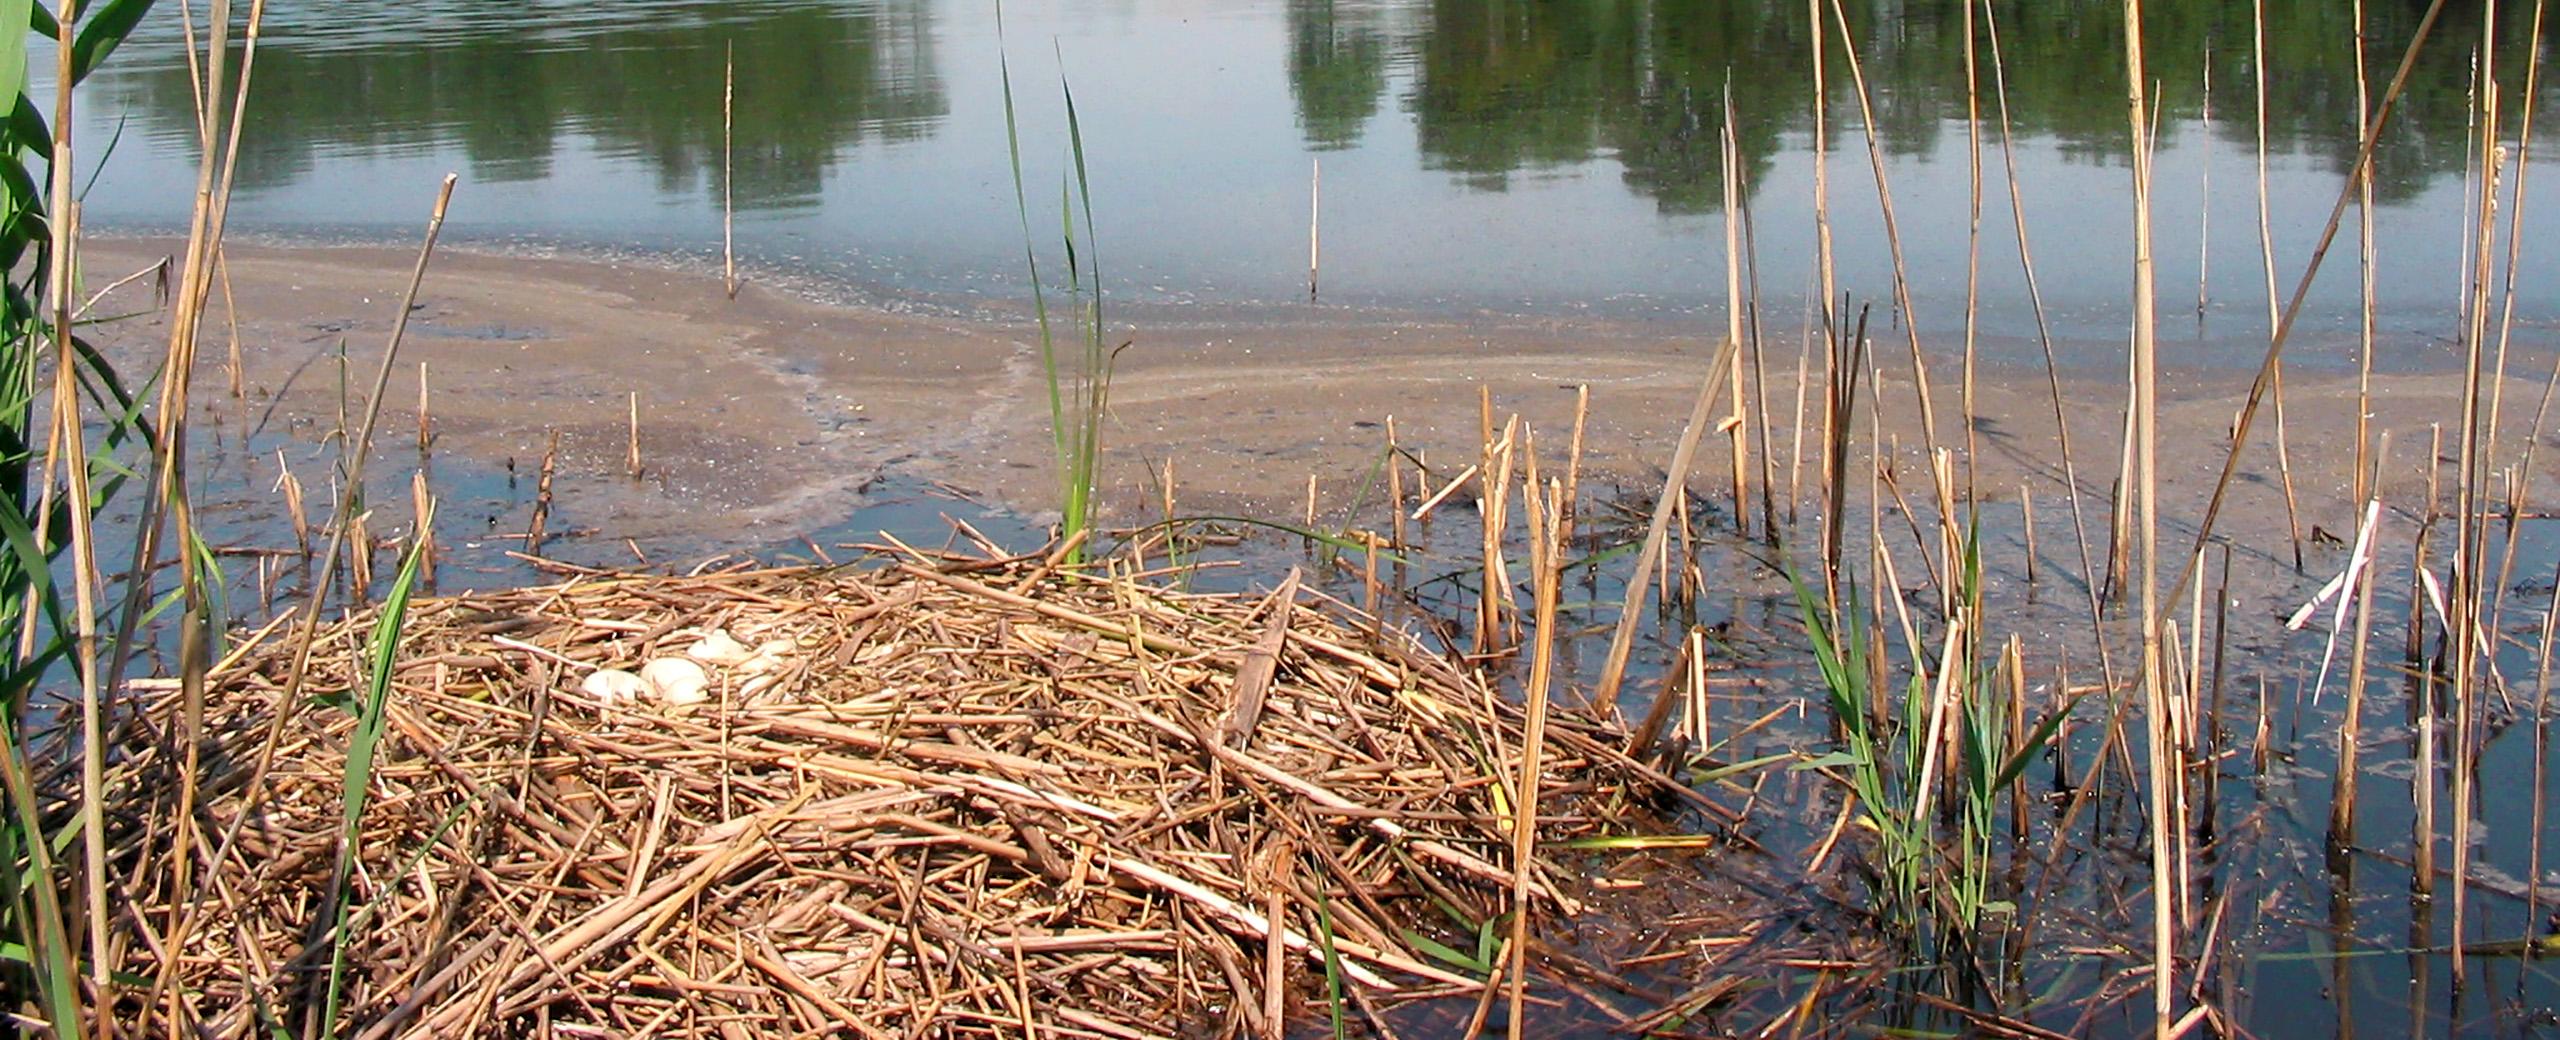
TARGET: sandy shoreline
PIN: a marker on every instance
(771, 410)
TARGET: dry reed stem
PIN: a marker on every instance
(1395, 484)
(2365, 272)
(2519, 482)
(2204, 167)
(231, 318)
(2467, 599)
(631, 443)
(1973, 242)
(426, 434)
(1737, 422)
(534, 532)
(67, 452)
(1315, 216)
(728, 201)
(422, 531)
(2267, 257)
(2342, 802)
(2143, 449)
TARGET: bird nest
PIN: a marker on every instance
(912, 798)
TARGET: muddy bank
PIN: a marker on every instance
(768, 412)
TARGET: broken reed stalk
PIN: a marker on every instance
(2027, 524)
(231, 317)
(1571, 507)
(360, 556)
(2342, 799)
(1493, 479)
(1973, 249)
(2120, 509)
(1737, 422)
(294, 511)
(728, 201)
(1752, 342)
(1845, 365)
(1547, 543)
(533, 535)
(1675, 487)
(1795, 438)
(631, 446)
(2541, 747)
(2143, 405)
(2470, 170)
(1880, 568)
(2013, 664)
(339, 436)
(422, 528)
(1507, 456)
(1648, 730)
(426, 434)
(1315, 216)
(2204, 172)
(1172, 535)
(1395, 484)
(2267, 256)
(2365, 278)
(2422, 723)
(1821, 172)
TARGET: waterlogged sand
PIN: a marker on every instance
(764, 416)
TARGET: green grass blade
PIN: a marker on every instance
(1031, 259)
(1333, 992)
(13, 49)
(103, 25)
(1094, 378)
(2024, 755)
(1444, 953)
(373, 712)
(56, 977)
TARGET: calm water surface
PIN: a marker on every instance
(1546, 157)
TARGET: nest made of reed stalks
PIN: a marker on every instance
(1002, 799)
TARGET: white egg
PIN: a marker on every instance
(719, 648)
(613, 687)
(677, 681)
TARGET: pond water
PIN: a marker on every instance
(1547, 157)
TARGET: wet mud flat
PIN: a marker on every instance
(768, 410)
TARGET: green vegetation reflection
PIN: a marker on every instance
(813, 81)
(1506, 86)
(1496, 89)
